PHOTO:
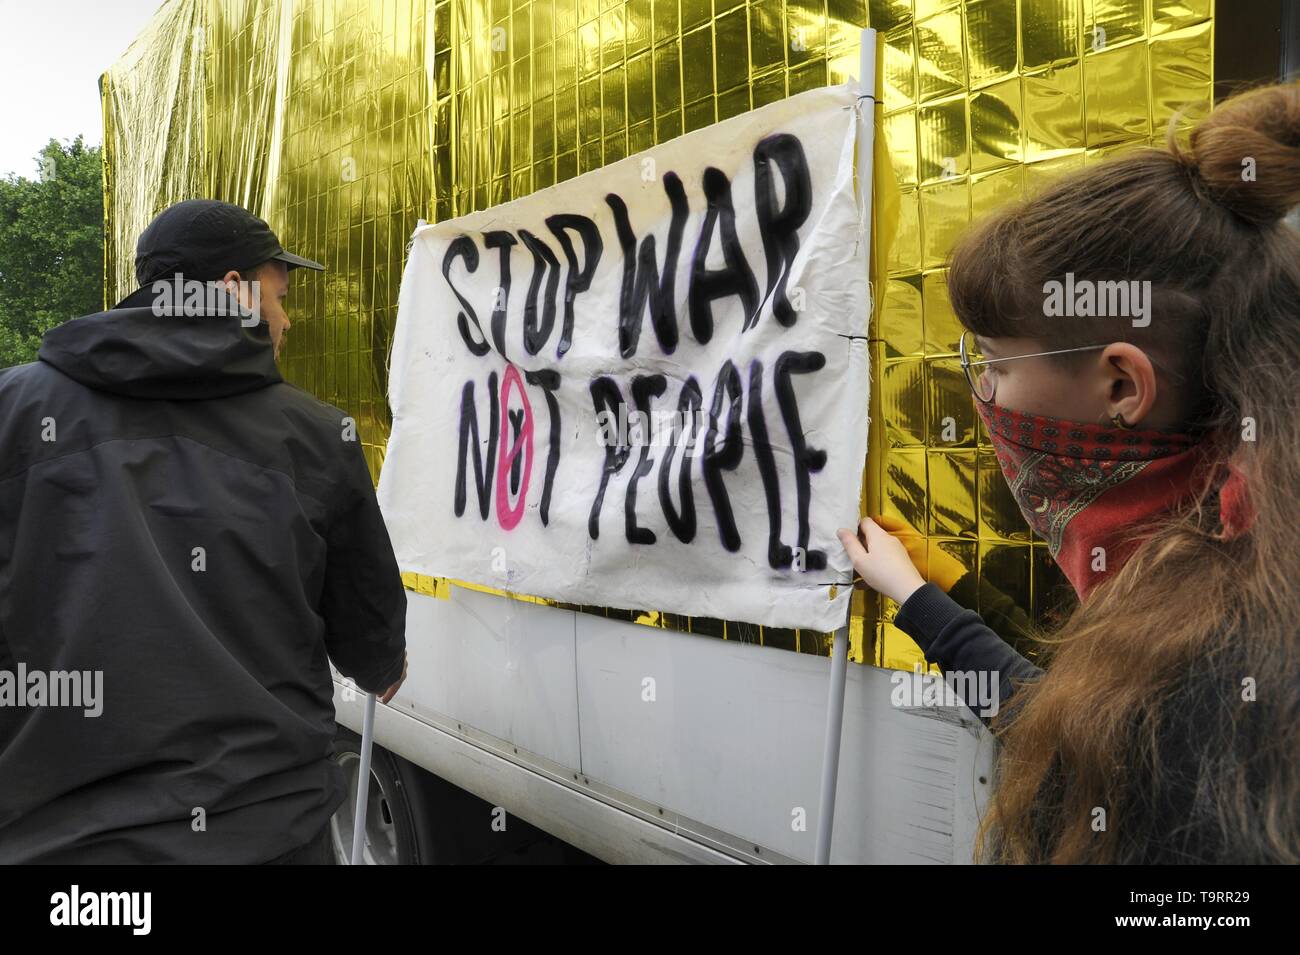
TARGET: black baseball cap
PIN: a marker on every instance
(203, 239)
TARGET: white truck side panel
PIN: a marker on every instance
(723, 758)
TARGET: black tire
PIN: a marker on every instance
(398, 829)
(421, 819)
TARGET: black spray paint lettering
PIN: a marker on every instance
(578, 279)
(642, 279)
(681, 523)
(646, 285)
(463, 247)
(644, 389)
(728, 457)
(469, 438)
(502, 461)
(506, 463)
(723, 452)
(735, 277)
(549, 381)
(780, 230)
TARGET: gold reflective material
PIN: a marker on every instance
(343, 122)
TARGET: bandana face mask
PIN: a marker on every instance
(1085, 488)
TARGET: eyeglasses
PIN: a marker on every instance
(984, 385)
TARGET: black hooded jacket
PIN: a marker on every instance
(178, 519)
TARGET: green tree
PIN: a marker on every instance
(51, 247)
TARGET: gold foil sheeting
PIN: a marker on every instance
(344, 122)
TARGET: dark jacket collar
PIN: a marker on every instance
(136, 350)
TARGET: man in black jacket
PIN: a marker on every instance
(186, 541)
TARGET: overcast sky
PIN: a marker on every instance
(51, 55)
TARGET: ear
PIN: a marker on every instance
(231, 280)
(1132, 390)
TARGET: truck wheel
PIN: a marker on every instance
(394, 804)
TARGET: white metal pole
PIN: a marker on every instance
(831, 747)
(840, 649)
(363, 780)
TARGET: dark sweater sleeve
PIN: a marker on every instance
(958, 639)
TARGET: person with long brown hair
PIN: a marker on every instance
(1133, 344)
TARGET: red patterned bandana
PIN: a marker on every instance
(1085, 488)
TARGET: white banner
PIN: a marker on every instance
(646, 387)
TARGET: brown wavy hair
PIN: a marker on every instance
(1171, 697)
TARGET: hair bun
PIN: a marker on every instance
(1247, 153)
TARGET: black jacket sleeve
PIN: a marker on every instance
(958, 639)
(363, 602)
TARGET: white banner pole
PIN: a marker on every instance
(840, 648)
(363, 781)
